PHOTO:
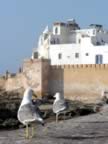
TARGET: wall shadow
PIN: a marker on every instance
(56, 80)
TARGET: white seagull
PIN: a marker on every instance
(59, 105)
(27, 113)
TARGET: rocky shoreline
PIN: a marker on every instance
(82, 125)
(10, 101)
(91, 129)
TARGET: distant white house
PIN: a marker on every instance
(66, 43)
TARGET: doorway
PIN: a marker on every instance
(98, 59)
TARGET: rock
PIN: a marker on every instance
(10, 123)
(10, 101)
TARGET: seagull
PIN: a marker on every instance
(27, 112)
(59, 105)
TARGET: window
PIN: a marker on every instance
(76, 55)
(94, 32)
(98, 43)
(79, 41)
(35, 55)
(68, 57)
(56, 30)
(59, 56)
(57, 41)
(52, 41)
(45, 36)
(87, 54)
(99, 59)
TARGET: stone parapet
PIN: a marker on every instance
(82, 82)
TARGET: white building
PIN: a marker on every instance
(66, 43)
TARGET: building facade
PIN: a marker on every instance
(66, 44)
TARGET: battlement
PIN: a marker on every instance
(77, 66)
(81, 82)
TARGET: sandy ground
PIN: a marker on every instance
(91, 129)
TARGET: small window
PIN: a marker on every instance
(79, 41)
(76, 55)
(87, 54)
(68, 57)
(35, 55)
(56, 30)
(59, 56)
(52, 41)
(58, 41)
(94, 32)
(45, 36)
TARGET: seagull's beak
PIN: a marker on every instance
(34, 95)
(54, 96)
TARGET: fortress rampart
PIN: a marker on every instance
(80, 82)
(34, 74)
(76, 82)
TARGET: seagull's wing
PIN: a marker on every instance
(59, 105)
(28, 113)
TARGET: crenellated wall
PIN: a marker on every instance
(34, 74)
(76, 82)
(80, 82)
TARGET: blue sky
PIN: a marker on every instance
(22, 21)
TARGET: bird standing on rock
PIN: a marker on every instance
(27, 113)
(59, 105)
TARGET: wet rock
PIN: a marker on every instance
(9, 104)
(10, 101)
(10, 123)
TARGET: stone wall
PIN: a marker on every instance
(79, 82)
(2, 82)
(76, 82)
(34, 74)
(13, 83)
(56, 80)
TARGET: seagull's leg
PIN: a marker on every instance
(57, 117)
(32, 131)
(45, 130)
(27, 131)
(64, 115)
